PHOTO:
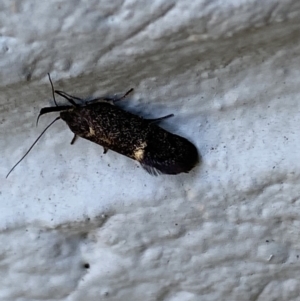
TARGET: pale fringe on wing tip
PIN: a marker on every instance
(151, 170)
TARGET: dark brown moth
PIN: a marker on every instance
(100, 121)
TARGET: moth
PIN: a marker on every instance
(102, 122)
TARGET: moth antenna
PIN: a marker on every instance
(34, 143)
(52, 89)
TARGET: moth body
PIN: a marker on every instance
(100, 121)
(158, 150)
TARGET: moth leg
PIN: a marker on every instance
(98, 99)
(159, 119)
(124, 96)
(105, 150)
(109, 99)
(74, 139)
(68, 97)
(61, 93)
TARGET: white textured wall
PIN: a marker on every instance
(229, 230)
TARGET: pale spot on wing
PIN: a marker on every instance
(140, 151)
(91, 133)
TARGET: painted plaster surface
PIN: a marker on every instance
(76, 224)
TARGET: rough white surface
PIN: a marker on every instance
(79, 225)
